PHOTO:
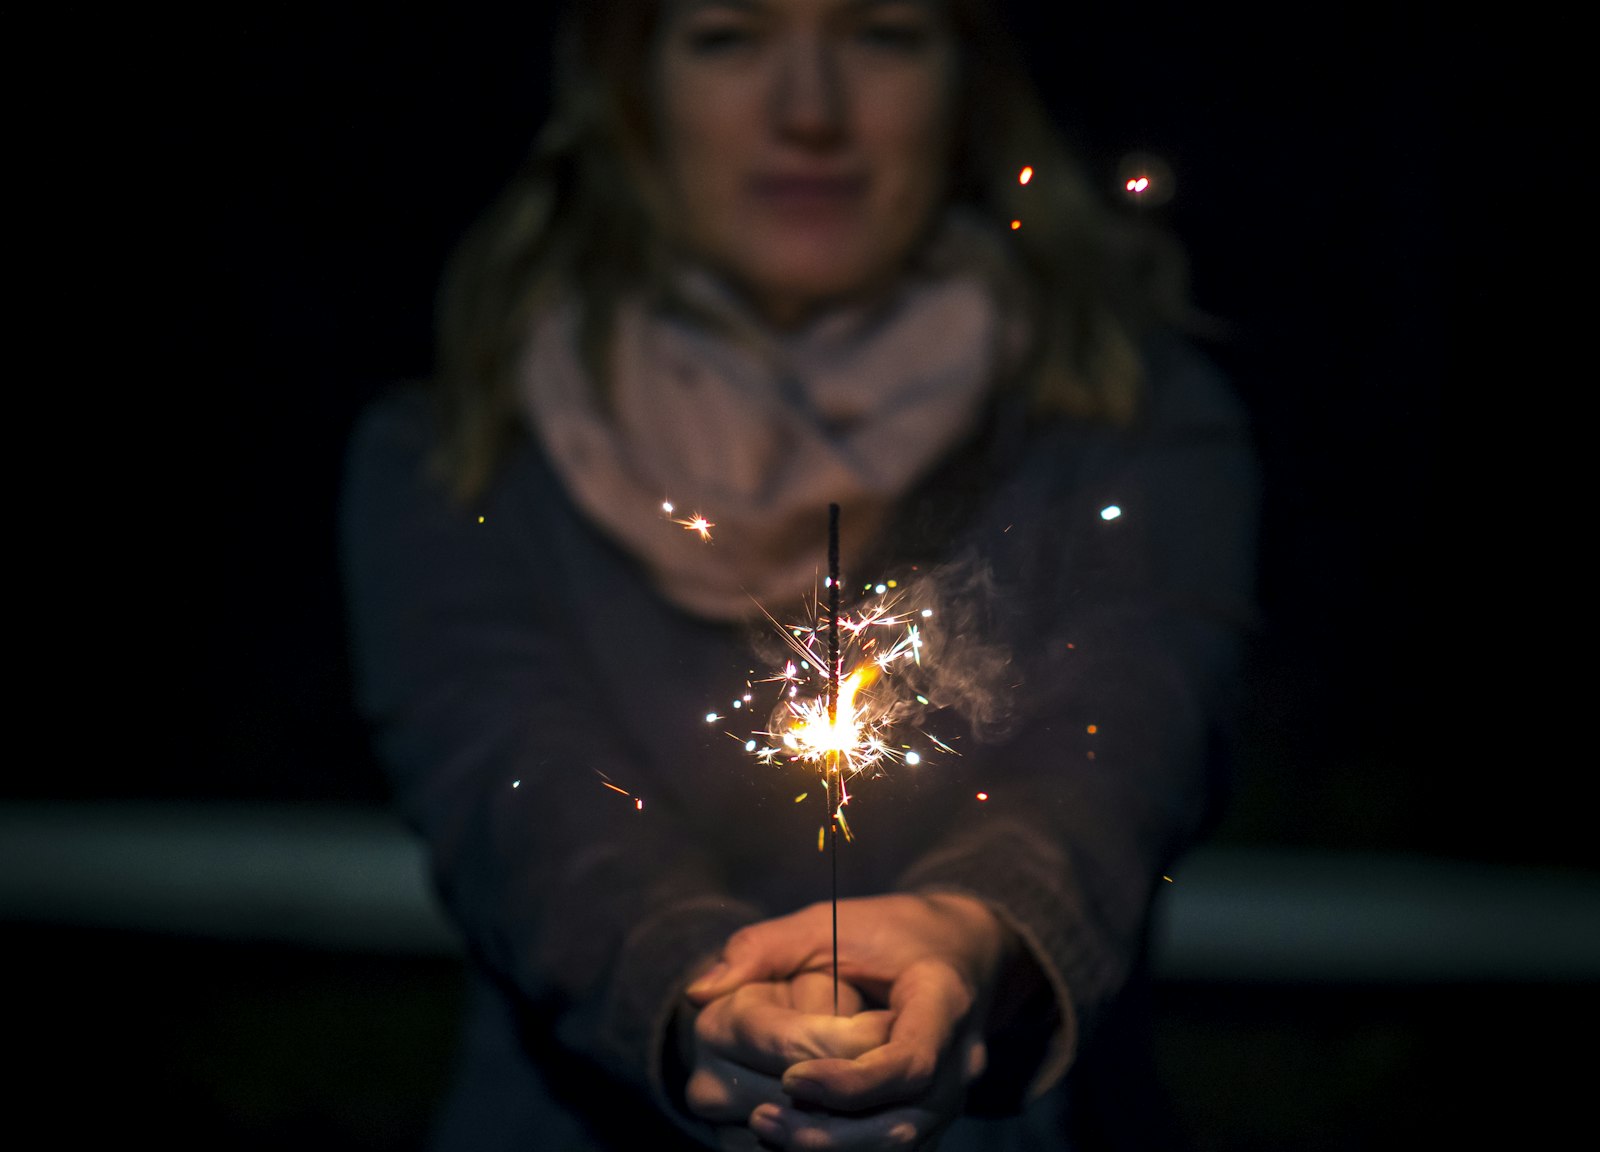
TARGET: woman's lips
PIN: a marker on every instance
(808, 192)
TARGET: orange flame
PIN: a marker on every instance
(814, 737)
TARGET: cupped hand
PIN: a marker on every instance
(744, 1041)
(933, 959)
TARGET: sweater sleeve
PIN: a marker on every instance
(593, 912)
(1131, 574)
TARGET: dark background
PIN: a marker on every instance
(260, 208)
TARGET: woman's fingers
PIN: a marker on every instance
(803, 1131)
(814, 991)
(769, 950)
(756, 1027)
(930, 1004)
(745, 1040)
(725, 1093)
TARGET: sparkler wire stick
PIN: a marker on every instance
(833, 719)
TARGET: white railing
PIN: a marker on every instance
(349, 878)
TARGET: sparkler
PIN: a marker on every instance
(837, 709)
(841, 704)
(833, 723)
(846, 687)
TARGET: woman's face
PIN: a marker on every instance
(804, 143)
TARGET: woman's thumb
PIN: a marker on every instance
(757, 952)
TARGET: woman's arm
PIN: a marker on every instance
(1127, 631)
(481, 695)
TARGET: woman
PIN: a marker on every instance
(764, 261)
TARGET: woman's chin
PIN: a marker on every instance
(792, 291)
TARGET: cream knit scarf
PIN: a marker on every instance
(759, 431)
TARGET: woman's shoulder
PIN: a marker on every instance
(388, 474)
(399, 421)
(393, 464)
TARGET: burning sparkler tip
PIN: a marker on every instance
(837, 706)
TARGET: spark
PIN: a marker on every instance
(638, 803)
(882, 644)
(1015, 224)
(1145, 178)
(1110, 512)
(983, 795)
(1025, 175)
(694, 522)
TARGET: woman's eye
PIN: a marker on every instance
(711, 39)
(897, 35)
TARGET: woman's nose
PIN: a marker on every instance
(809, 98)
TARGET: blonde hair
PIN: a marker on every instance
(580, 217)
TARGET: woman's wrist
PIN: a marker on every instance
(978, 937)
(1007, 977)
